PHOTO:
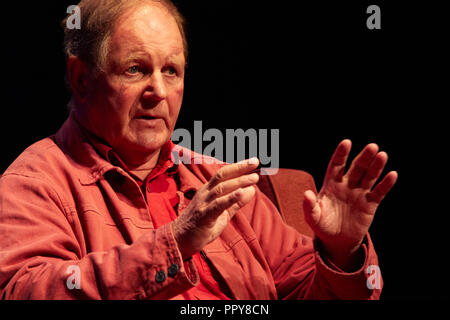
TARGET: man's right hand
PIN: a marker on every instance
(214, 205)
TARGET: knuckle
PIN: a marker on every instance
(242, 166)
(218, 190)
(236, 196)
(197, 212)
(219, 175)
(215, 206)
(211, 183)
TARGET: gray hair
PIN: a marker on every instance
(90, 42)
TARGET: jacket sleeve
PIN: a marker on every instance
(40, 257)
(298, 269)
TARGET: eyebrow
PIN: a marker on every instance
(136, 55)
(141, 55)
(176, 58)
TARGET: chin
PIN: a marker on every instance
(151, 143)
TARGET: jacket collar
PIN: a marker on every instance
(72, 141)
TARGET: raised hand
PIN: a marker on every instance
(341, 214)
(214, 205)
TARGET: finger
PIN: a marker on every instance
(360, 164)
(337, 163)
(380, 190)
(232, 171)
(311, 208)
(231, 185)
(239, 197)
(374, 171)
(247, 196)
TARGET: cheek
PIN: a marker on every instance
(101, 103)
(122, 101)
(124, 97)
(107, 97)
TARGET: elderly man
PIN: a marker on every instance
(101, 211)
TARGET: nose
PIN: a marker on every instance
(156, 89)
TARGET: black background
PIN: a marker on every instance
(312, 70)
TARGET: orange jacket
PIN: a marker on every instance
(73, 226)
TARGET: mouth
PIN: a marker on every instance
(149, 120)
(146, 117)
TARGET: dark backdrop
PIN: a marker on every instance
(312, 70)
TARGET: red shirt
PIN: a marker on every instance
(160, 191)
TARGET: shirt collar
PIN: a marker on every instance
(164, 164)
(91, 162)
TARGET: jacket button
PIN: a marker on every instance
(160, 276)
(173, 270)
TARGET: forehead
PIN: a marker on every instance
(147, 28)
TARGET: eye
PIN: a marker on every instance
(170, 71)
(133, 70)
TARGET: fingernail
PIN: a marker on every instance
(253, 160)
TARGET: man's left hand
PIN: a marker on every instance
(341, 214)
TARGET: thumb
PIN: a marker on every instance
(311, 208)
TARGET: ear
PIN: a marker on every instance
(77, 73)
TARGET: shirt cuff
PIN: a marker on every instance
(364, 283)
(170, 276)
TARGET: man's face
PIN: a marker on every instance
(134, 105)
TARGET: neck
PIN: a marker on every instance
(138, 162)
(141, 166)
